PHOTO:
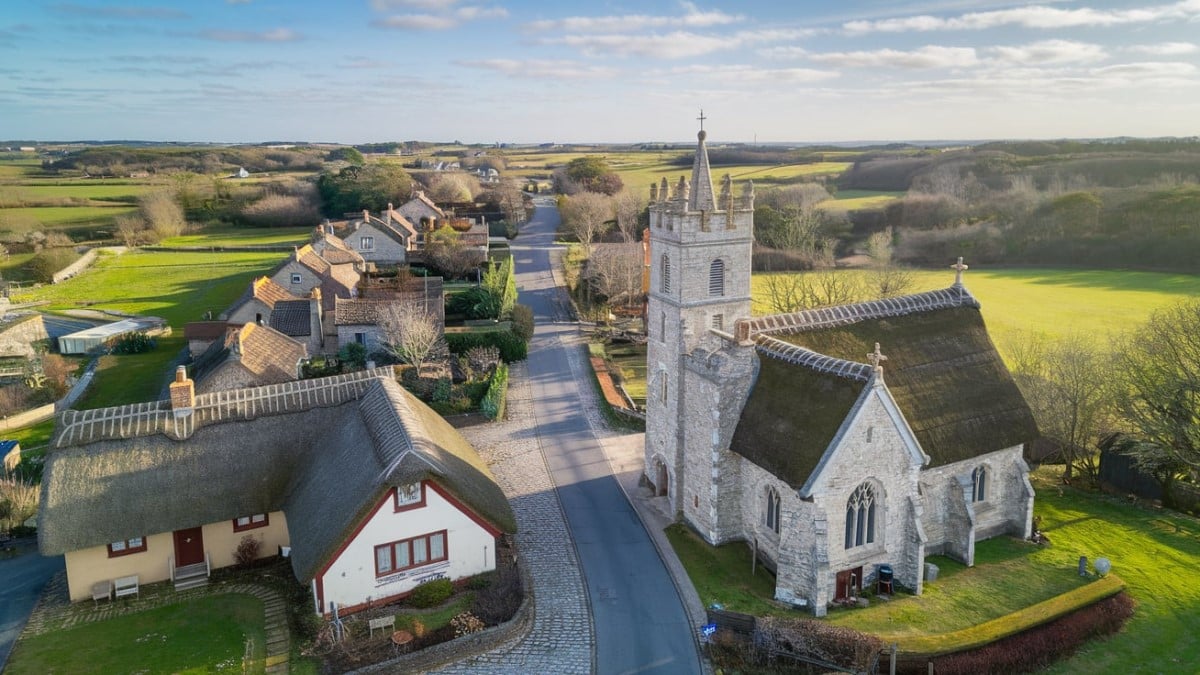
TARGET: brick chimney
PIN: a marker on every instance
(183, 393)
(366, 216)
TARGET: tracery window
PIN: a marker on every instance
(860, 516)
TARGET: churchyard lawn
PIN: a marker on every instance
(208, 634)
(1153, 551)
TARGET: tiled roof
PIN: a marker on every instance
(355, 312)
(204, 330)
(292, 317)
(264, 290)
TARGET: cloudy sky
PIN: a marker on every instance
(605, 70)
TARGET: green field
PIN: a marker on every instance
(78, 189)
(28, 218)
(854, 200)
(641, 175)
(242, 236)
(179, 287)
(1055, 303)
(195, 636)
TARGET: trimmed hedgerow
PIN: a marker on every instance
(1038, 647)
(512, 347)
(522, 321)
(493, 402)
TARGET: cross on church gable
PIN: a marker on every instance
(702, 118)
(877, 358)
(959, 268)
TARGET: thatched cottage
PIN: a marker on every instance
(783, 431)
(368, 490)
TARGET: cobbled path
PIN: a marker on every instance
(560, 640)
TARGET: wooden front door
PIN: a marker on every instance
(189, 547)
(849, 583)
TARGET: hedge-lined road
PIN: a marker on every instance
(639, 619)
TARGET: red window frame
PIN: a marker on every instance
(408, 507)
(128, 550)
(266, 520)
(411, 544)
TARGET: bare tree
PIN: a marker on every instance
(587, 216)
(1158, 376)
(615, 270)
(163, 214)
(792, 292)
(20, 498)
(886, 278)
(802, 196)
(628, 205)
(1065, 384)
(453, 187)
(410, 333)
(131, 229)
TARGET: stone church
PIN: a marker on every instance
(833, 441)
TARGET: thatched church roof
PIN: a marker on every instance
(322, 451)
(942, 369)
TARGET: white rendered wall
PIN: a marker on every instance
(350, 579)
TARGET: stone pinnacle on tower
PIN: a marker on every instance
(701, 197)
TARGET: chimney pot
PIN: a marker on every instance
(183, 393)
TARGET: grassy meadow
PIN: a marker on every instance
(1051, 302)
(178, 286)
(224, 236)
(854, 200)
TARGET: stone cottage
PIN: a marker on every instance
(834, 441)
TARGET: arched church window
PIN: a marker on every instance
(716, 278)
(860, 516)
(666, 274)
(773, 510)
(979, 484)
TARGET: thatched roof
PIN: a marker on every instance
(322, 451)
(942, 369)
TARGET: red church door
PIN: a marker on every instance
(849, 583)
(189, 546)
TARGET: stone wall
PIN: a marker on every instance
(17, 338)
(75, 267)
(953, 523)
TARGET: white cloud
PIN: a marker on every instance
(1165, 49)
(930, 56)
(1050, 52)
(740, 74)
(1151, 69)
(276, 35)
(674, 45)
(1033, 16)
(692, 17)
(451, 18)
(388, 5)
(541, 69)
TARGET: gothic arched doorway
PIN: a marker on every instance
(660, 478)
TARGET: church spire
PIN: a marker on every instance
(701, 197)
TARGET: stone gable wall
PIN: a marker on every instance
(946, 494)
(387, 250)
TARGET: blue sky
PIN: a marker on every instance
(604, 71)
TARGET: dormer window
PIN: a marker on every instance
(410, 496)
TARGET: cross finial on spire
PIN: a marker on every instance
(958, 268)
(702, 118)
(877, 358)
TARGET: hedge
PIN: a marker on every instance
(494, 400)
(512, 347)
(972, 637)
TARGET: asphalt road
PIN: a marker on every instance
(21, 581)
(640, 623)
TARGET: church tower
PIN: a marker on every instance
(700, 253)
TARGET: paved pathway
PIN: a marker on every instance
(21, 581)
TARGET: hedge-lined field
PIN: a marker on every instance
(1054, 302)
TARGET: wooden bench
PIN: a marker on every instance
(126, 586)
(101, 590)
(382, 623)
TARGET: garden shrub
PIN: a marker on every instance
(1038, 647)
(441, 390)
(21, 531)
(354, 356)
(465, 624)
(431, 593)
(132, 343)
(522, 321)
(43, 266)
(247, 550)
(512, 347)
(493, 402)
(501, 597)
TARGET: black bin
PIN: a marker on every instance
(884, 579)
